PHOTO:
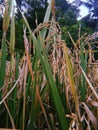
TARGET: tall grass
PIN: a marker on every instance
(52, 88)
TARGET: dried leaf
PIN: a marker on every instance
(90, 116)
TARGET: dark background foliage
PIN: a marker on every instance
(66, 14)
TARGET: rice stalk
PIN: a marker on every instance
(71, 78)
(9, 113)
(7, 14)
(39, 98)
(28, 55)
(24, 95)
(90, 115)
(53, 9)
(90, 85)
(83, 61)
(3, 63)
(12, 39)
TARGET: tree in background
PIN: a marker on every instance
(92, 18)
(34, 10)
(92, 5)
(66, 15)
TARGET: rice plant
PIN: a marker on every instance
(51, 88)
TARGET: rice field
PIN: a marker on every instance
(50, 87)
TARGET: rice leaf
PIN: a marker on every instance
(71, 79)
(3, 63)
(12, 38)
(90, 116)
(84, 65)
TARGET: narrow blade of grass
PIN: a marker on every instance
(84, 65)
(9, 113)
(48, 11)
(39, 98)
(3, 64)
(12, 38)
(53, 9)
(46, 18)
(71, 79)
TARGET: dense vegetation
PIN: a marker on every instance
(48, 71)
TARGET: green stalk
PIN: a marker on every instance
(3, 63)
(83, 63)
(12, 39)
